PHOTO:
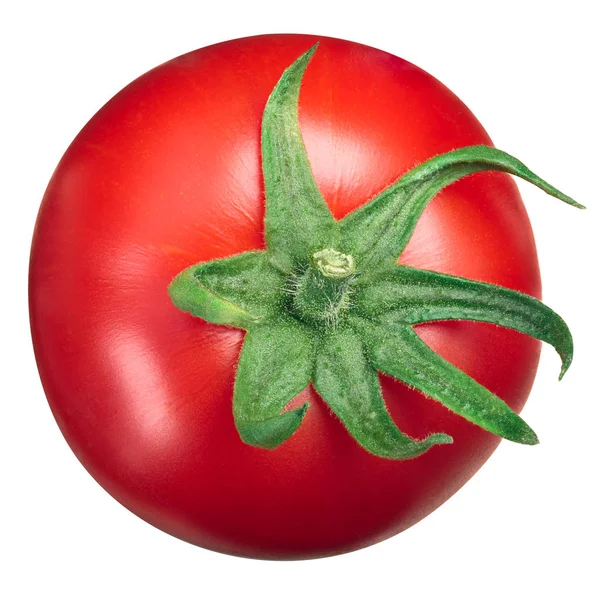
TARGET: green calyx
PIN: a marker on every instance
(327, 303)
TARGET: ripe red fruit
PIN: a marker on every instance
(167, 175)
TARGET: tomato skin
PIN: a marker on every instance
(168, 174)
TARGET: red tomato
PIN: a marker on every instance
(168, 174)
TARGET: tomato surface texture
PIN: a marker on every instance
(168, 174)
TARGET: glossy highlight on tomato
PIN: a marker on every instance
(168, 174)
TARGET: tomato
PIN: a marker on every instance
(168, 174)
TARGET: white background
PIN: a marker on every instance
(527, 525)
